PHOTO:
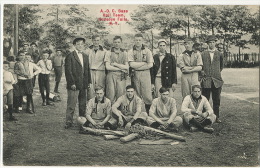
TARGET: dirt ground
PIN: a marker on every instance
(41, 140)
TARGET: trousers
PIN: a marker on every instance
(187, 80)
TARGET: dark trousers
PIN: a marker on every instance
(215, 97)
(58, 74)
(74, 97)
(44, 84)
(33, 80)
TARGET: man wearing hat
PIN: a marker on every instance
(78, 79)
(163, 73)
(190, 63)
(57, 63)
(211, 72)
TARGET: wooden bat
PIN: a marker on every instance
(129, 137)
(104, 132)
(110, 137)
(143, 130)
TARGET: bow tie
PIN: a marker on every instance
(211, 51)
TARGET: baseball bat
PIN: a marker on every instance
(110, 137)
(170, 135)
(104, 132)
(129, 137)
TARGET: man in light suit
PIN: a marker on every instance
(211, 74)
(78, 79)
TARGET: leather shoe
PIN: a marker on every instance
(44, 104)
(50, 104)
(29, 111)
(68, 125)
(208, 130)
(218, 120)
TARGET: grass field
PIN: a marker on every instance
(42, 140)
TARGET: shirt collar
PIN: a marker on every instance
(142, 48)
(196, 99)
(212, 51)
(188, 52)
(102, 101)
(100, 47)
(113, 50)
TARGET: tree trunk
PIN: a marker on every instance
(188, 26)
(212, 30)
(16, 30)
(152, 41)
(170, 44)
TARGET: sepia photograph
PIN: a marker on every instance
(130, 85)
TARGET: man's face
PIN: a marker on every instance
(138, 41)
(80, 45)
(196, 92)
(100, 94)
(45, 56)
(33, 46)
(165, 95)
(211, 44)
(130, 93)
(26, 47)
(162, 46)
(188, 45)
(28, 58)
(59, 53)
(117, 43)
(6, 44)
(22, 57)
(6, 67)
(96, 41)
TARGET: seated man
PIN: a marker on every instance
(162, 114)
(197, 111)
(127, 110)
(98, 110)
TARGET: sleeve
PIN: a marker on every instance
(68, 71)
(199, 59)
(12, 78)
(207, 106)
(149, 56)
(221, 61)
(49, 65)
(116, 105)
(126, 56)
(180, 62)
(174, 71)
(174, 107)
(108, 107)
(185, 104)
(89, 107)
(36, 69)
(130, 55)
(153, 107)
(107, 56)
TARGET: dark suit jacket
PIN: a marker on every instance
(168, 70)
(74, 72)
(212, 69)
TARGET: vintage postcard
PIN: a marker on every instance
(142, 84)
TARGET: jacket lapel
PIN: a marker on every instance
(215, 56)
(77, 58)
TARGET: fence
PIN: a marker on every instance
(243, 60)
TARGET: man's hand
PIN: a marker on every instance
(120, 121)
(205, 114)
(128, 125)
(73, 87)
(153, 88)
(173, 87)
(194, 112)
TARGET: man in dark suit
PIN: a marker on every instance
(211, 74)
(78, 79)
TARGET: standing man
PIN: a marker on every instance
(78, 79)
(211, 72)
(190, 63)
(57, 63)
(163, 73)
(116, 62)
(163, 112)
(96, 55)
(34, 52)
(198, 113)
(141, 60)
